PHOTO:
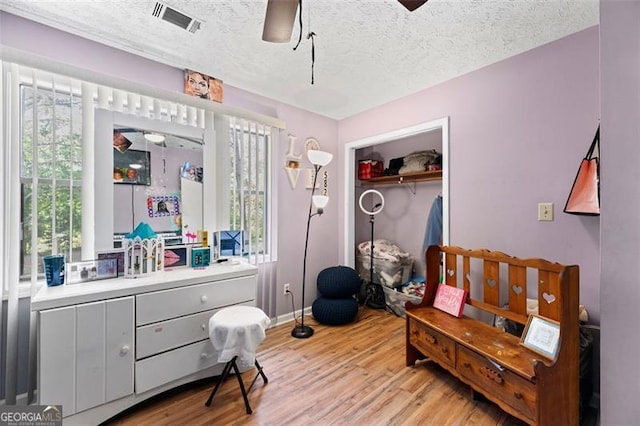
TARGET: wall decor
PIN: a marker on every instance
(292, 163)
(203, 86)
(542, 336)
(91, 270)
(132, 167)
(117, 254)
(311, 143)
(163, 205)
(191, 171)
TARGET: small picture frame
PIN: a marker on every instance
(200, 257)
(542, 336)
(91, 270)
(117, 254)
(176, 256)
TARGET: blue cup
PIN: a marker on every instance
(54, 269)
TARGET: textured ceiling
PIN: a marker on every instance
(368, 52)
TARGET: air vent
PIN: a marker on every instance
(175, 17)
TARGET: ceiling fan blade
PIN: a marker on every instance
(412, 5)
(278, 20)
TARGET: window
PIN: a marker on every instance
(50, 176)
(250, 162)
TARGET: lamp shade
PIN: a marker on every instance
(320, 201)
(278, 20)
(319, 158)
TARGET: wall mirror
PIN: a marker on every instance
(151, 171)
(147, 171)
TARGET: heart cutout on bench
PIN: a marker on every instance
(491, 282)
(450, 272)
(517, 289)
(550, 298)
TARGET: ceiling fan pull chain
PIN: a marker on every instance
(300, 20)
(313, 52)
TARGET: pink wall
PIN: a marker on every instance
(518, 130)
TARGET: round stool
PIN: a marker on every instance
(235, 333)
(336, 304)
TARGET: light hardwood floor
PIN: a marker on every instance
(353, 374)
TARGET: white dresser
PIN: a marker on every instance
(104, 346)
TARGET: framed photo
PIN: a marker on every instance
(113, 254)
(203, 86)
(132, 167)
(176, 256)
(542, 336)
(232, 242)
(91, 270)
(163, 205)
(120, 142)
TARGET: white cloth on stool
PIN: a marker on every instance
(237, 330)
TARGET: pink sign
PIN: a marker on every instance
(450, 299)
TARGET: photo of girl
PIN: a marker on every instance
(202, 86)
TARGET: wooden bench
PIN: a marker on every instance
(491, 361)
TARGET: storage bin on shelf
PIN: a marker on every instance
(392, 267)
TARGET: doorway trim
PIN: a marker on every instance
(350, 173)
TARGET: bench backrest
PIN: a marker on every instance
(499, 284)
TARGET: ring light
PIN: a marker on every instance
(371, 191)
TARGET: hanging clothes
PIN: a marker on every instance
(433, 232)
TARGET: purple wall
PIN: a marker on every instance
(620, 250)
(518, 130)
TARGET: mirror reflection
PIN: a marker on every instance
(158, 180)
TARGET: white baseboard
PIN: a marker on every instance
(283, 319)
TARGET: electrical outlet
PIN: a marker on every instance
(545, 212)
(286, 288)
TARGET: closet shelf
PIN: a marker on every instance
(405, 178)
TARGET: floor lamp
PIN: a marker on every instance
(319, 159)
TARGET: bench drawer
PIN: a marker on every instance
(510, 388)
(431, 343)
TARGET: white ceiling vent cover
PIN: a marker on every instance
(175, 17)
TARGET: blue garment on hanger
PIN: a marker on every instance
(433, 233)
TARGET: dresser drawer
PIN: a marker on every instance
(167, 304)
(172, 365)
(431, 343)
(510, 388)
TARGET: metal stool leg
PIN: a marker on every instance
(260, 373)
(225, 373)
(244, 392)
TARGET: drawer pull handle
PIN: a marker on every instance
(466, 365)
(518, 395)
(492, 375)
(203, 299)
(204, 326)
(444, 350)
(124, 350)
(431, 339)
(203, 356)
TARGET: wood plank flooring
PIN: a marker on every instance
(353, 374)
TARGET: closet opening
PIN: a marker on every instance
(409, 197)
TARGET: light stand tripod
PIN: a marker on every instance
(373, 290)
